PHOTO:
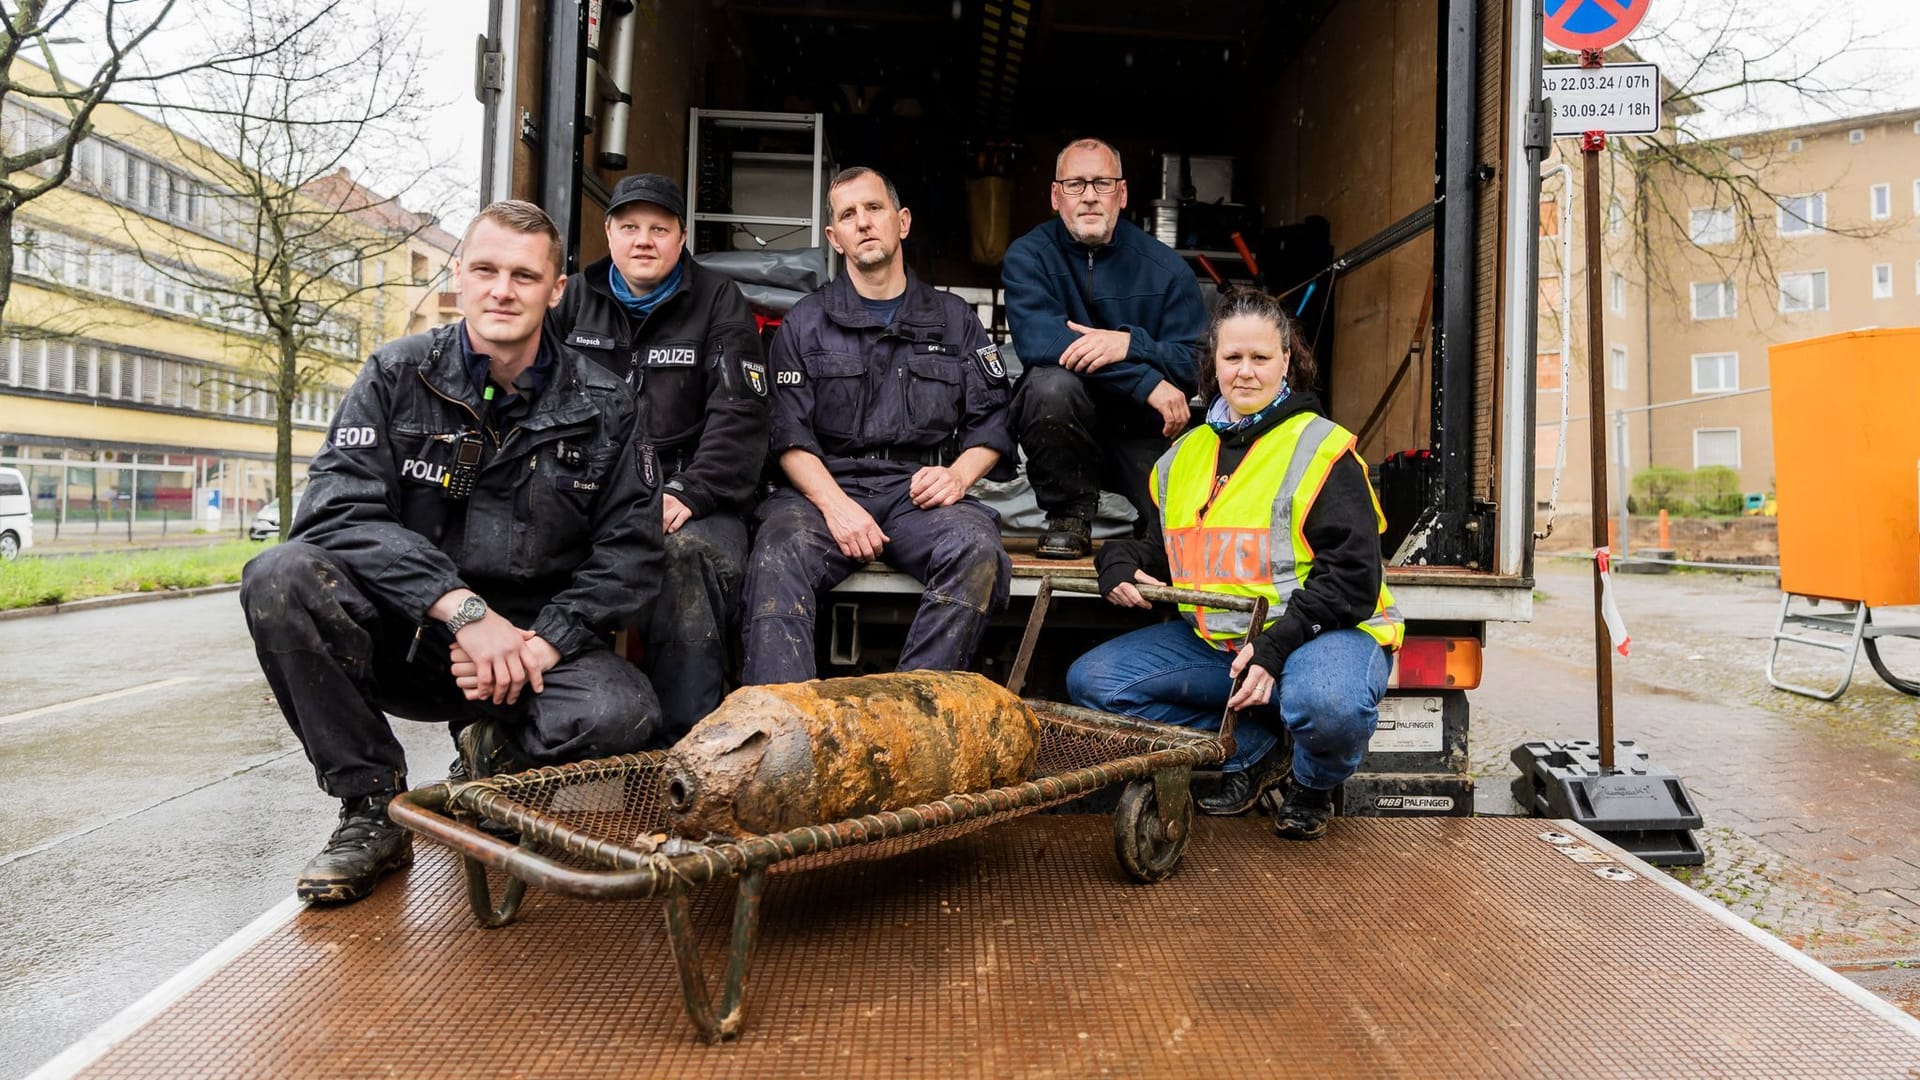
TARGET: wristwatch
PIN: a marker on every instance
(471, 610)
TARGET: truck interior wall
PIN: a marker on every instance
(1353, 141)
(528, 95)
(1490, 343)
(677, 49)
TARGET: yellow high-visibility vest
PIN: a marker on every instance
(1247, 537)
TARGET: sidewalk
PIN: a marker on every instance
(1812, 824)
(74, 541)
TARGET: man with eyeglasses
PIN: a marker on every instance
(1106, 320)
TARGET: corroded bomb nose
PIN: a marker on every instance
(682, 791)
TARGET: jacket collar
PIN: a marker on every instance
(563, 401)
(919, 318)
(1079, 250)
(598, 281)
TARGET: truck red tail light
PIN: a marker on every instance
(1436, 663)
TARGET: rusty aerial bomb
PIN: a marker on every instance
(773, 758)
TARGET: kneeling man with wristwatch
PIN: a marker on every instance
(480, 521)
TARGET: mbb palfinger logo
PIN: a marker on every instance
(1440, 803)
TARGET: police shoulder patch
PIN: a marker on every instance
(989, 360)
(754, 374)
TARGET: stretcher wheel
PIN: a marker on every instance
(1141, 840)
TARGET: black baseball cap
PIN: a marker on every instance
(649, 187)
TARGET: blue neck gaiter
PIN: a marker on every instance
(1221, 419)
(642, 306)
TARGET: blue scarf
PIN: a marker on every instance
(1221, 419)
(642, 306)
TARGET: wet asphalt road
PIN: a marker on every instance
(152, 802)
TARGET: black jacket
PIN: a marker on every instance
(851, 390)
(1344, 586)
(561, 534)
(696, 366)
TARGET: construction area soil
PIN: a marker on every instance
(1753, 540)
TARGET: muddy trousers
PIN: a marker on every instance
(1078, 439)
(953, 550)
(336, 662)
(694, 619)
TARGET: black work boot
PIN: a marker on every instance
(367, 845)
(1236, 792)
(1304, 813)
(1068, 536)
(485, 751)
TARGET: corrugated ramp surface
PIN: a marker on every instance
(1421, 947)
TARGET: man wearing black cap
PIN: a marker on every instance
(683, 339)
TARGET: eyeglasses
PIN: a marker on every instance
(1102, 185)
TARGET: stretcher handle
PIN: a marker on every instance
(1165, 594)
(1253, 605)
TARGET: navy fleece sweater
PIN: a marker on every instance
(1134, 283)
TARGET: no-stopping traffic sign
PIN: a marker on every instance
(1592, 24)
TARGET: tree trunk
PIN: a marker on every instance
(286, 388)
(6, 258)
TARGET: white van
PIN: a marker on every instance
(16, 515)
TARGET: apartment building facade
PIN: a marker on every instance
(1712, 252)
(135, 401)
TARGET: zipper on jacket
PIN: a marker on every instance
(1089, 277)
(1219, 485)
(477, 422)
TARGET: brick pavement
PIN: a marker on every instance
(1813, 827)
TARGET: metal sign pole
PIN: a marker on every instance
(1591, 143)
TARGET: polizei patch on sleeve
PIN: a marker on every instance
(756, 376)
(990, 365)
(359, 437)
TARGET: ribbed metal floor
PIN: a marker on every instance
(1423, 947)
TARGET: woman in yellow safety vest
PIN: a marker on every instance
(1267, 498)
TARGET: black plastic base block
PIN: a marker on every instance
(1638, 805)
(1407, 795)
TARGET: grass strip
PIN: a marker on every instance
(32, 581)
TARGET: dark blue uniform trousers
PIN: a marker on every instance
(694, 619)
(953, 550)
(336, 662)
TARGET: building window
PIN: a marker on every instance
(1617, 367)
(1617, 293)
(1794, 146)
(1711, 226)
(1713, 300)
(1716, 446)
(1880, 201)
(1916, 196)
(1803, 292)
(1803, 214)
(1883, 281)
(1547, 371)
(1716, 373)
(1857, 135)
(1550, 293)
(1616, 218)
(1736, 152)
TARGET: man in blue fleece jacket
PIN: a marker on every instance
(1106, 320)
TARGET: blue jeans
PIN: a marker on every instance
(1328, 694)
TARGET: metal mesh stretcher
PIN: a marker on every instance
(596, 829)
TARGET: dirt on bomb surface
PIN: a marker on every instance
(1811, 829)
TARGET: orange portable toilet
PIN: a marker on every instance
(1846, 463)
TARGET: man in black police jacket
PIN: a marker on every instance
(683, 339)
(474, 529)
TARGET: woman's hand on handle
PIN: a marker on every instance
(1259, 684)
(1125, 595)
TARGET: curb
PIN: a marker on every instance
(118, 600)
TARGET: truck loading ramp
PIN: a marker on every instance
(1416, 947)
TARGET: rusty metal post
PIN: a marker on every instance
(1591, 143)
